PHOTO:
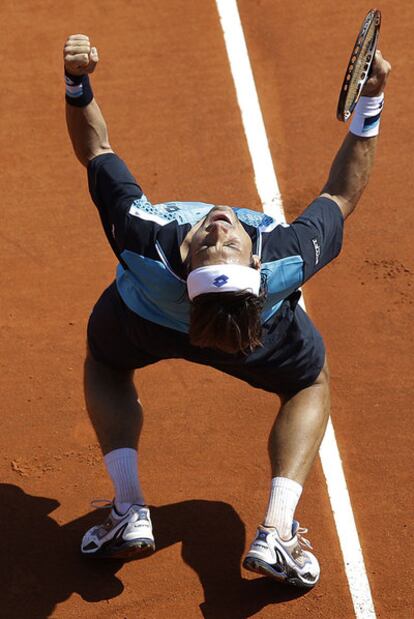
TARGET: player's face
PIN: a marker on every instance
(220, 239)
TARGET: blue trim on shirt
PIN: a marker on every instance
(149, 289)
(284, 276)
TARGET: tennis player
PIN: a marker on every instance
(218, 286)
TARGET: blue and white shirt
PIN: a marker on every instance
(146, 238)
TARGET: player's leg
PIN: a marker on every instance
(116, 415)
(300, 375)
(279, 550)
(299, 428)
(113, 405)
(293, 445)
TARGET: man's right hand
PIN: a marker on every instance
(78, 55)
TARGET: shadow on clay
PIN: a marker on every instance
(213, 542)
(40, 564)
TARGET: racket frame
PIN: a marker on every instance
(355, 78)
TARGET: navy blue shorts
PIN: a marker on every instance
(291, 358)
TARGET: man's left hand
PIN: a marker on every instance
(78, 55)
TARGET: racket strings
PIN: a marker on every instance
(359, 64)
(359, 67)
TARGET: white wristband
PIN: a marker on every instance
(366, 116)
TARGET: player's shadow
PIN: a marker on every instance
(40, 565)
(213, 542)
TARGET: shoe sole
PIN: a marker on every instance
(128, 550)
(261, 567)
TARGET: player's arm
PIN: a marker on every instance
(353, 163)
(86, 125)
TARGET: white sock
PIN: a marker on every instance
(284, 496)
(122, 466)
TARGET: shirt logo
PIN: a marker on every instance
(220, 281)
(317, 249)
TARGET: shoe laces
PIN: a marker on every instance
(303, 542)
(108, 504)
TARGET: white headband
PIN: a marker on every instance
(223, 278)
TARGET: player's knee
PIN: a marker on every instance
(96, 369)
(324, 375)
(90, 360)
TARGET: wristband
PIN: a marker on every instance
(366, 116)
(78, 90)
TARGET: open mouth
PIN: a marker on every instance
(220, 216)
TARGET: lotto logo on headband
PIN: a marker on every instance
(223, 277)
(220, 281)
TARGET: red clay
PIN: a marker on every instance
(165, 88)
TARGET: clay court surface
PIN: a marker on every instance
(166, 90)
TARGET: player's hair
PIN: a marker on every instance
(227, 321)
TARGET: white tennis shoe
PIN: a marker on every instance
(121, 536)
(285, 561)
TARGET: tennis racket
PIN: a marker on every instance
(359, 64)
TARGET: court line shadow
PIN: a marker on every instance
(40, 564)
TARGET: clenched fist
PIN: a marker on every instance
(78, 55)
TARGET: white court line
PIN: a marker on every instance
(268, 190)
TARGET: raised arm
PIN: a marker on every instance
(353, 163)
(86, 125)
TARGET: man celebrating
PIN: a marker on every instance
(218, 286)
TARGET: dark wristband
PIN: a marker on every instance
(78, 90)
